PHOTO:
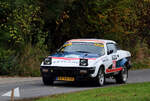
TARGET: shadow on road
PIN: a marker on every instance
(86, 84)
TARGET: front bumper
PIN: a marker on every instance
(79, 73)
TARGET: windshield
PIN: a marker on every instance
(84, 47)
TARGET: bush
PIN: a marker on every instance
(141, 56)
(8, 62)
(30, 60)
(26, 63)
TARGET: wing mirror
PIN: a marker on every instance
(109, 52)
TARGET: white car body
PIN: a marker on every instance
(112, 63)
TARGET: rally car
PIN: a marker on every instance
(86, 59)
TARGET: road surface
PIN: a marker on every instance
(33, 87)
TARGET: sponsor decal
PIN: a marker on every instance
(114, 57)
(65, 61)
(98, 44)
(67, 44)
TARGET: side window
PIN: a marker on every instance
(111, 48)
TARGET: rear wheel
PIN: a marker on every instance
(122, 76)
(101, 77)
(47, 81)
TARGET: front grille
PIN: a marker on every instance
(68, 71)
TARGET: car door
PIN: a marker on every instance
(112, 57)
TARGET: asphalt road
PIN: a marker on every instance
(33, 87)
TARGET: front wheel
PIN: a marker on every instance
(101, 77)
(122, 76)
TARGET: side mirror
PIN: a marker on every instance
(109, 52)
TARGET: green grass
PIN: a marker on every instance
(128, 92)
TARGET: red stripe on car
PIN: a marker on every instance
(114, 70)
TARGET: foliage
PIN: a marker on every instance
(27, 26)
(8, 63)
(29, 62)
(23, 25)
(4, 13)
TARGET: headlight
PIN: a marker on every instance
(47, 61)
(83, 62)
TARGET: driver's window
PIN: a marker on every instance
(111, 48)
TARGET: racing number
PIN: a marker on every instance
(114, 60)
(114, 64)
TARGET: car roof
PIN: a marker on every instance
(92, 40)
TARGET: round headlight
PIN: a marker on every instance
(47, 61)
(83, 62)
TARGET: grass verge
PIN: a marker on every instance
(129, 92)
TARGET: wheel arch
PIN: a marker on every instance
(128, 63)
(101, 66)
(100, 78)
(125, 62)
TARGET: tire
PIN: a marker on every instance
(121, 78)
(47, 81)
(100, 77)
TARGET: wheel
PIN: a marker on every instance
(122, 76)
(101, 77)
(47, 81)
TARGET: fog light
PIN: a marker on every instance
(83, 71)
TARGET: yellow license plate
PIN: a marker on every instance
(65, 78)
